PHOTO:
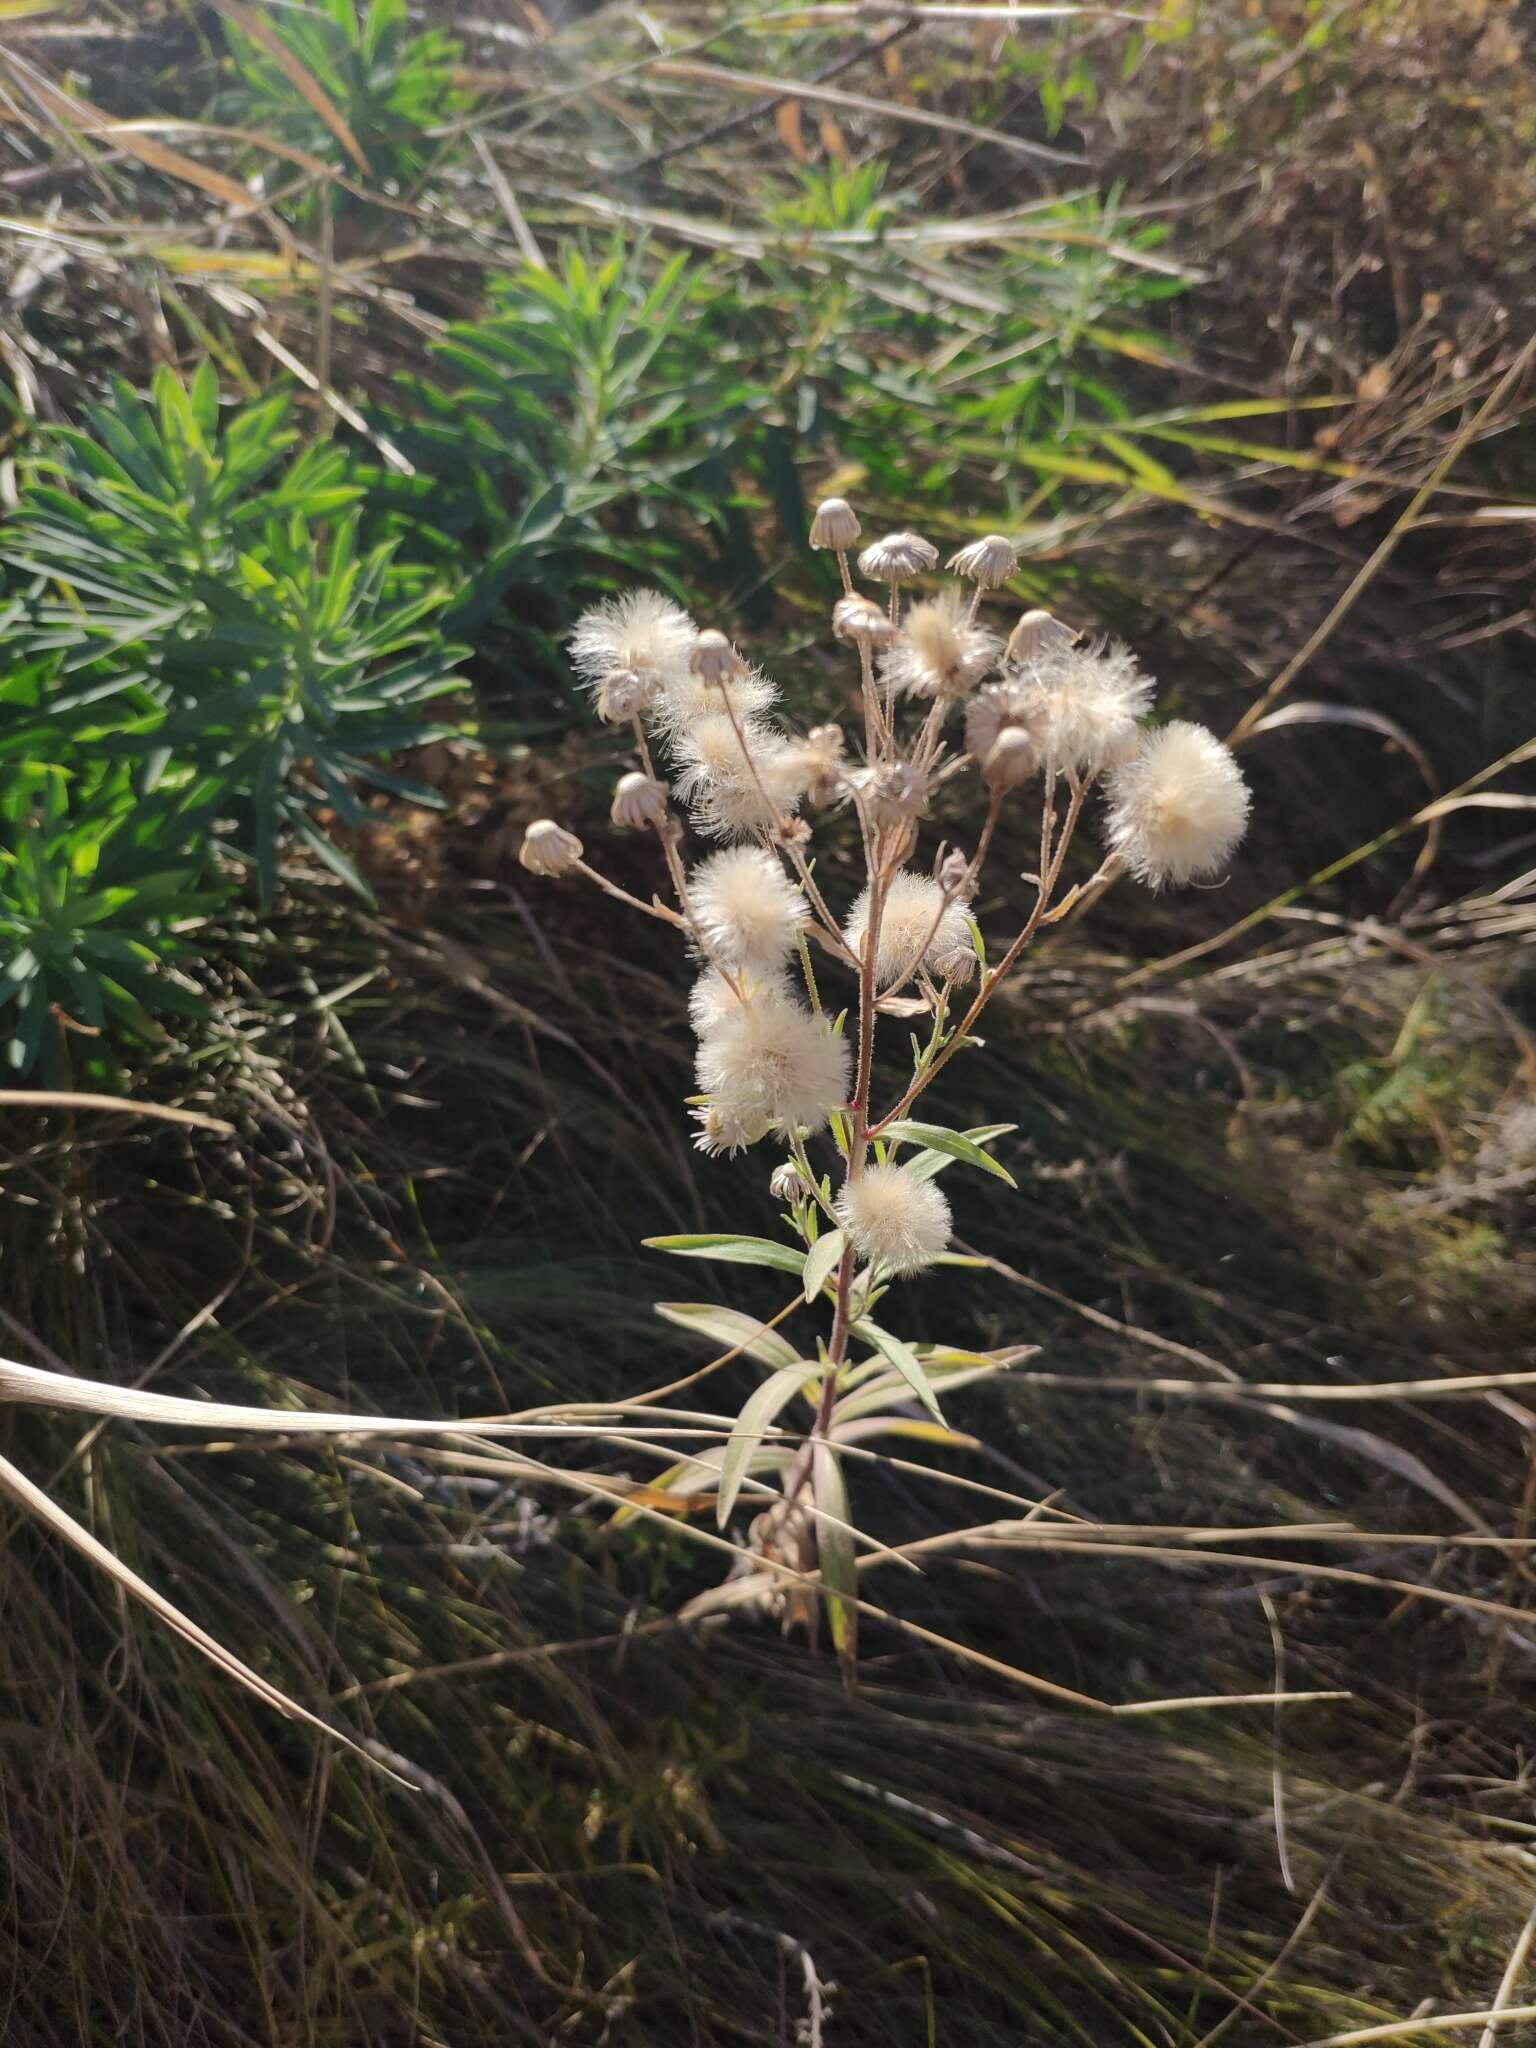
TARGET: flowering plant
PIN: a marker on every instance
(941, 697)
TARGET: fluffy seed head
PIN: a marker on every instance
(731, 779)
(835, 525)
(713, 998)
(820, 754)
(713, 659)
(988, 561)
(1178, 809)
(1092, 701)
(918, 923)
(894, 1218)
(548, 849)
(769, 1062)
(938, 652)
(1036, 635)
(896, 557)
(687, 698)
(747, 910)
(643, 632)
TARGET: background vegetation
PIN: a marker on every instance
(348, 348)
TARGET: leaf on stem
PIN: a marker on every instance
(821, 1261)
(729, 1327)
(948, 1144)
(905, 1360)
(759, 1411)
(738, 1251)
(835, 1550)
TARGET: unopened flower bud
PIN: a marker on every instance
(638, 800)
(714, 659)
(548, 849)
(787, 1183)
(955, 877)
(1011, 760)
(623, 695)
(836, 525)
(897, 556)
(858, 618)
(1037, 635)
(988, 561)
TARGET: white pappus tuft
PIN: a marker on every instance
(918, 923)
(737, 774)
(644, 634)
(767, 1063)
(1090, 706)
(1179, 808)
(894, 1218)
(939, 652)
(747, 911)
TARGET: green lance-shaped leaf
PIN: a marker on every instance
(728, 1327)
(924, 1165)
(835, 1550)
(760, 1410)
(739, 1251)
(951, 1144)
(821, 1260)
(905, 1360)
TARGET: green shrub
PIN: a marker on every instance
(203, 653)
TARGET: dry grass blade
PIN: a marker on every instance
(119, 1105)
(49, 1512)
(859, 103)
(1444, 2023)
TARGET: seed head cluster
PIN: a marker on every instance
(943, 699)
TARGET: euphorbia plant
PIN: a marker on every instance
(786, 1038)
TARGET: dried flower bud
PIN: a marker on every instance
(836, 525)
(787, 1183)
(1011, 759)
(1036, 635)
(548, 849)
(714, 659)
(624, 695)
(638, 800)
(897, 556)
(859, 618)
(955, 877)
(957, 966)
(892, 795)
(988, 561)
(821, 758)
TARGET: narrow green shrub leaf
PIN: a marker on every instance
(905, 1360)
(952, 1144)
(835, 1550)
(730, 1329)
(761, 1408)
(924, 1165)
(738, 1251)
(821, 1261)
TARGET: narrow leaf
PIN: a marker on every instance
(728, 1327)
(905, 1360)
(738, 1251)
(760, 1409)
(821, 1260)
(952, 1144)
